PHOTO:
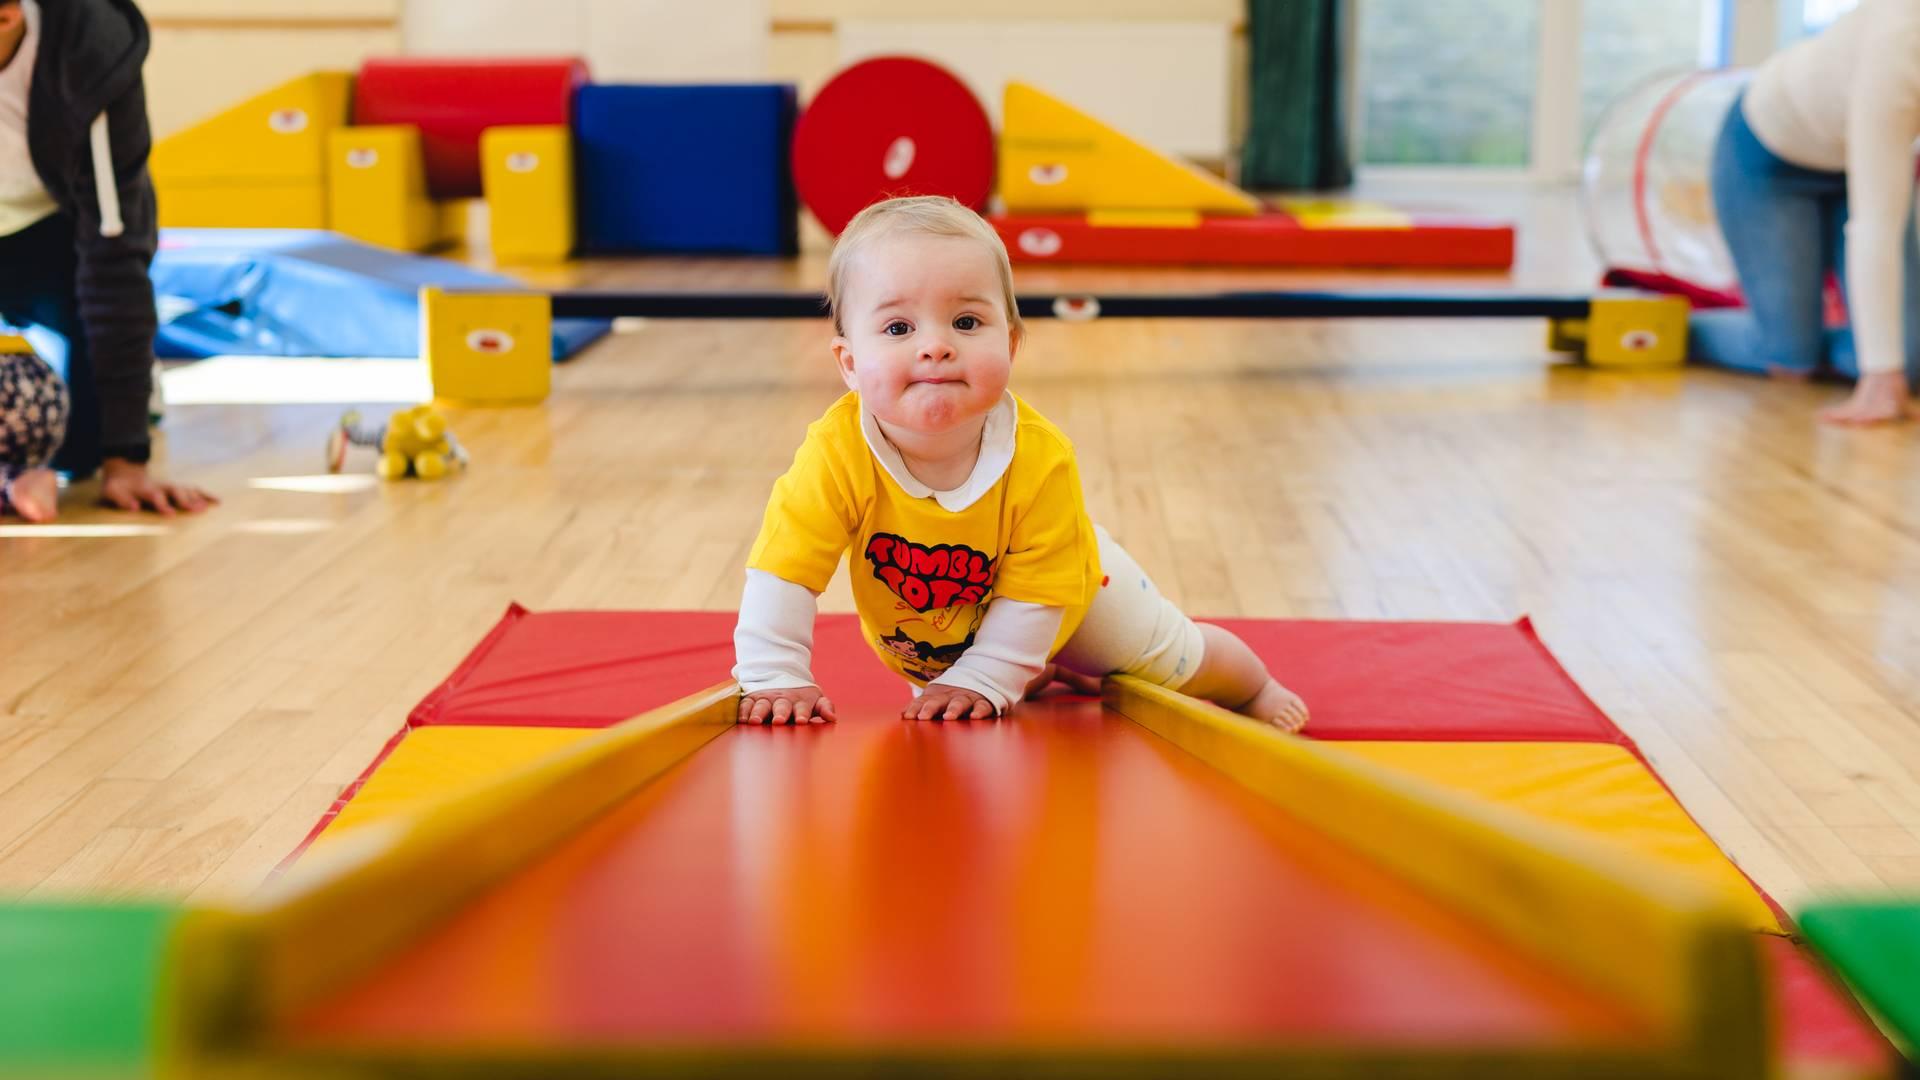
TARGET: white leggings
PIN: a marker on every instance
(1130, 628)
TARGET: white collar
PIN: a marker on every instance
(996, 453)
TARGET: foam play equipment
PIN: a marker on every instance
(1107, 875)
(1600, 789)
(377, 189)
(891, 126)
(486, 347)
(1645, 193)
(1875, 945)
(1627, 329)
(453, 100)
(1162, 941)
(528, 175)
(1321, 237)
(1053, 157)
(295, 292)
(1616, 329)
(261, 163)
(686, 169)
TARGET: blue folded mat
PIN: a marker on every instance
(307, 292)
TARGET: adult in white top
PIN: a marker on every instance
(1815, 171)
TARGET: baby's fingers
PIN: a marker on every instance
(982, 709)
(762, 708)
(823, 711)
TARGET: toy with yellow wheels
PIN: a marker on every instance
(413, 442)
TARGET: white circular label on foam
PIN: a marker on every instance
(490, 341)
(288, 121)
(899, 158)
(524, 161)
(1039, 242)
(1639, 340)
(362, 157)
(1047, 175)
(1076, 308)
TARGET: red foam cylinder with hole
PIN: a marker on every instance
(452, 100)
(891, 126)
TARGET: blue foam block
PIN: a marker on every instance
(303, 292)
(685, 169)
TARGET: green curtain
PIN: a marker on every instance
(1297, 122)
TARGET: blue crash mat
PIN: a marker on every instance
(306, 292)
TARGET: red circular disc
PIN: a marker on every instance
(891, 126)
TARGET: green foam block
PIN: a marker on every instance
(1876, 947)
(80, 984)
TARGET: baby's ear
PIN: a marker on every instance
(843, 359)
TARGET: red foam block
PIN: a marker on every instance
(452, 101)
(1269, 239)
(891, 126)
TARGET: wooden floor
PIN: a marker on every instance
(1738, 587)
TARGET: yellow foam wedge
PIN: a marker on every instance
(1053, 157)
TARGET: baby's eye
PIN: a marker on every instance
(896, 328)
(966, 322)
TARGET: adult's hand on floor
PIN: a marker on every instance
(130, 486)
(1878, 398)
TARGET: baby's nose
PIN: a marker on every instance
(936, 348)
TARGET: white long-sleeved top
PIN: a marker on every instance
(24, 200)
(773, 641)
(1848, 99)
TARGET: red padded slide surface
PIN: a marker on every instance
(452, 101)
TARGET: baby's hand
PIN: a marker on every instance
(1075, 682)
(943, 702)
(787, 705)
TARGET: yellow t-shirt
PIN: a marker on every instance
(922, 575)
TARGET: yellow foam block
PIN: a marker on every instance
(434, 762)
(243, 206)
(1599, 789)
(1344, 214)
(487, 348)
(1637, 330)
(527, 173)
(377, 187)
(1055, 157)
(280, 135)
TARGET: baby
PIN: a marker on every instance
(975, 569)
(33, 420)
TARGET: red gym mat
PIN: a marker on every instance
(452, 101)
(1363, 680)
(891, 126)
(1275, 238)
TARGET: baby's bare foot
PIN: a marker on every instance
(35, 495)
(1278, 706)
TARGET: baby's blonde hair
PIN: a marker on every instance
(928, 215)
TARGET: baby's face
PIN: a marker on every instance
(925, 338)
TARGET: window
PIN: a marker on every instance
(1624, 41)
(1436, 93)
(1515, 84)
(1816, 14)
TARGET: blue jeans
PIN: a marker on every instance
(1785, 226)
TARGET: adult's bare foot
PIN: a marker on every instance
(1878, 398)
